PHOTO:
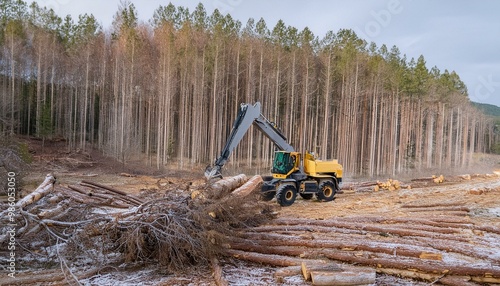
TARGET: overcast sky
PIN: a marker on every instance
(459, 35)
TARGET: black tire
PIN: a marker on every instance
(286, 195)
(267, 190)
(267, 196)
(306, 196)
(326, 191)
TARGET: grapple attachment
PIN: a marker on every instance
(213, 172)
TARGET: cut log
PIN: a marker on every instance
(282, 241)
(350, 276)
(466, 177)
(104, 187)
(352, 186)
(128, 175)
(230, 183)
(288, 271)
(247, 188)
(423, 179)
(90, 197)
(438, 180)
(431, 256)
(457, 281)
(435, 179)
(432, 205)
(298, 251)
(53, 212)
(40, 192)
(217, 273)
(123, 196)
(225, 186)
(54, 276)
(390, 185)
(324, 266)
(410, 264)
(409, 274)
(297, 270)
(488, 278)
(367, 189)
(439, 209)
(267, 259)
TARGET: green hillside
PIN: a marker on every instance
(488, 109)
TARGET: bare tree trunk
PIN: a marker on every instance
(215, 106)
(13, 86)
(38, 92)
(326, 107)
(85, 102)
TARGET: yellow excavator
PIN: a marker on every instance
(293, 173)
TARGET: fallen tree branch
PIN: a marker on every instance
(45, 187)
(52, 276)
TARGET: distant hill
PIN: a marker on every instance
(488, 109)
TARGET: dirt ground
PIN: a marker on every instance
(477, 195)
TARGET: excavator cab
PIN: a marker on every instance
(284, 163)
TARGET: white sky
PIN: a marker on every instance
(459, 35)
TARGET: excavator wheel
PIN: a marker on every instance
(326, 191)
(267, 191)
(286, 195)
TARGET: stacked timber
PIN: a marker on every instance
(394, 185)
(424, 247)
(389, 185)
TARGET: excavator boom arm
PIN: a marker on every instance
(247, 115)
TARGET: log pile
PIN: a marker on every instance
(394, 185)
(430, 248)
(427, 181)
(389, 185)
(375, 186)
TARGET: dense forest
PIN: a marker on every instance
(169, 89)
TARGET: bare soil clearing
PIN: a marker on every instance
(447, 233)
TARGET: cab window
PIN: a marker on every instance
(283, 163)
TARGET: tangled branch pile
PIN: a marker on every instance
(173, 229)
